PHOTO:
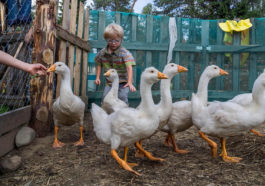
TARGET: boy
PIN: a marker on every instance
(117, 57)
(33, 69)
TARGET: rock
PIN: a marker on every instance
(10, 164)
(25, 136)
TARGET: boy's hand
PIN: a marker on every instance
(38, 69)
(130, 85)
(97, 81)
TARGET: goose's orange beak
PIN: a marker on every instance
(160, 75)
(182, 69)
(52, 68)
(223, 72)
(107, 74)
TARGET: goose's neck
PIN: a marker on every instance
(258, 94)
(146, 97)
(203, 88)
(114, 88)
(65, 89)
(166, 98)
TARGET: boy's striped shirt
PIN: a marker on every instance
(119, 60)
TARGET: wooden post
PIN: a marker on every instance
(77, 67)
(62, 50)
(43, 52)
(84, 74)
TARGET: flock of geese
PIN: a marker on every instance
(120, 126)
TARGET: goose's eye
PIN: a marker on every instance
(59, 65)
(172, 65)
(112, 71)
(152, 71)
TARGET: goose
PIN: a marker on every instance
(164, 107)
(129, 125)
(224, 119)
(111, 102)
(68, 108)
(181, 116)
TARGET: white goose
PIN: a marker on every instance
(127, 126)
(181, 116)
(223, 119)
(68, 108)
(111, 102)
(245, 99)
(164, 107)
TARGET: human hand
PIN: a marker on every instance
(97, 81)
(38, 69)
(130, 85)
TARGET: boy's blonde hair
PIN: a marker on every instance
(113, 30)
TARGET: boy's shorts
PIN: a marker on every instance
(122, 93)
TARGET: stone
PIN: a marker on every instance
(10, 164)
(25, 136)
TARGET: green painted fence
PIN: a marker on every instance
(199, 44)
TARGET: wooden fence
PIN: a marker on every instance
(199, 44)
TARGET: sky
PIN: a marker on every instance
(139, 5)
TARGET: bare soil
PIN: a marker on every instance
(92, 164)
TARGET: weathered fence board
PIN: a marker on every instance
(10, 122)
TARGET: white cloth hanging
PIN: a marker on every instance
(173, 37)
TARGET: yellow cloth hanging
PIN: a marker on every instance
(242, 26)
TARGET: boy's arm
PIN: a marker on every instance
(130, 78)
(9, 60)
(97, 81)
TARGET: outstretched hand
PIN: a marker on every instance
(38, 69)
(130, 85)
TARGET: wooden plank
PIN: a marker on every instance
(15, 118)
(253, 57)
(44, 51)
(205, 43)
(134, 27)
(177, 58)
(85, 55)
(77, 66)
(118, 18)
(62, 48)
(72, 31)
(234, 48)
(149, 39)
(153, 47)
(213, 95)
(72, 38)
(220, 58)
(101, 27)
(236, 63)
(7, 142)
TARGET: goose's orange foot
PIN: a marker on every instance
(181, 151)
(257, 133)
(139, 154)
(132, 164)
(168, 142)
(79, 143)
(57, 144)
(231, 159)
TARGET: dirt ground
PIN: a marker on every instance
(92, 164)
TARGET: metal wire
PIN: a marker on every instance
(14, 25)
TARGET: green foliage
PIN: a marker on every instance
(208, 9)
(3, 109)
(148, 9)
(108, 5)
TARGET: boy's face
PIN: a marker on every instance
(114, 43)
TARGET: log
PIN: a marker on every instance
(43, 52)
